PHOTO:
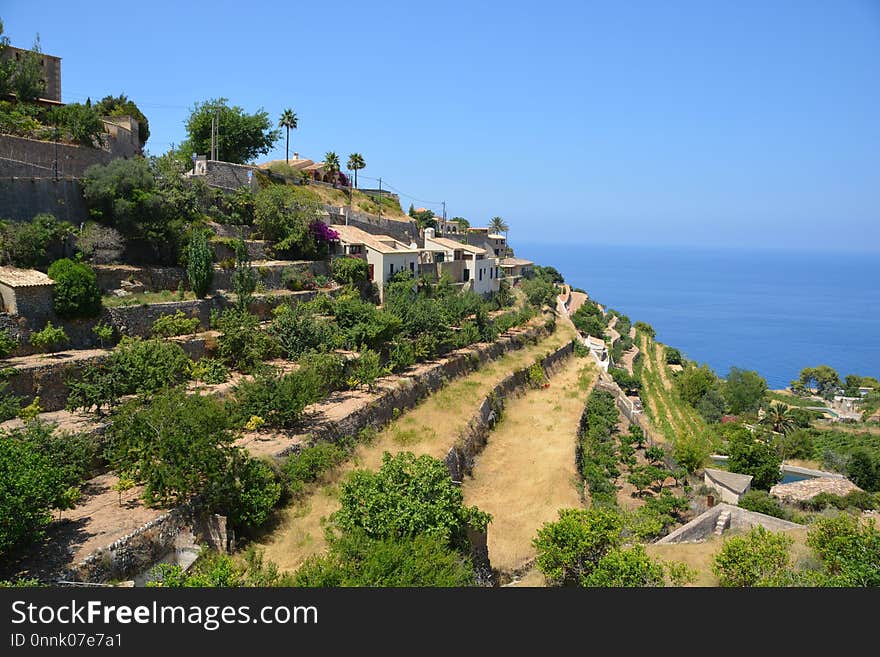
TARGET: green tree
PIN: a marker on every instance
(498, 225)
(626, 568)
(35, 243)
(744, 390)
(694, 383)
(29, 485)
(758, 558)
(822, 380)
(49, 338)
(7, 64)
(408, 496)
(283, 216)
(754, 455)
(122, 105)
(176, 444)
(200, 264)
(539, 292)
(27, 79)
(241, 137)
(863, 470)
(570, 548)
(288, 121)
(80, 123)
(356, 162)
(76, 292)
(762, 502)
(331, 165)
(778, 417)
(242, 343)
(849, 550)
(350, 271)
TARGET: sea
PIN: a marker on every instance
(775, 312)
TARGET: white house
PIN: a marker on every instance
(480, 270)
(385, 255)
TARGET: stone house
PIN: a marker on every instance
(731, 485)
(385, 255)
(26, 292)
(479, 270)
(517, 268)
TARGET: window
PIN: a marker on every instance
(481, 273)
(391, 268)
(412, 267)
(467, 275)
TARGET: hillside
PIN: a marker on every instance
(360, 202)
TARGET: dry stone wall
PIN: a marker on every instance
(183, 528)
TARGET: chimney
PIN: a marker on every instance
(429, 233)
(295, 155)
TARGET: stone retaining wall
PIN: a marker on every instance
(461, 457)
(411, 390)
(741, 520)
(183, 528)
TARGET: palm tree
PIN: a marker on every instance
(498, 225)
(355, 163)
(779, 418)
(288, 120)
(331, 165)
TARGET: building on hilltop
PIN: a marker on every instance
(385, 255)
(50, 67)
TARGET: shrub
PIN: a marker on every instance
(350, 271)
(9, 404)
(329, 368)
(366, 369)
(8, 343)
(535, 376)
(297, 330)
(99, 244)
(539, 292)
(167, 325)
(246, 492)
(148, 365)
(762, 502)
(310, 463)
(36, 243)
(293, 278)
(673, 356)
(401, 354)
(569, 549)
(210, 371)
(76, 292)
(628, 383)
(49, 338)
(758, 558)
(849, 550)
(200, 264)
(176, 444)
(104, 333)
(279, 400)
(752, 455)
(242, 343)
(354, 559)
(408, 496)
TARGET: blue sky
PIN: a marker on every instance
(749, 123)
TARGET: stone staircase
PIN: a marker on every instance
(722, 523)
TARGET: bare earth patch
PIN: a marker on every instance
(527, 471)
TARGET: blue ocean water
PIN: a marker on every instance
(770, 311)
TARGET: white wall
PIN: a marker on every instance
(382, 266)
(491, 274)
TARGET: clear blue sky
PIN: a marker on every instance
(754, 122)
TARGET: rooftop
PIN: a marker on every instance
(452, 245)
(515, 262)
(807, 489)
(15, 277)
(734, 481)
(380, 243)
(496, 236)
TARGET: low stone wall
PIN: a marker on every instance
(410, 391)
(183, 528)
(741, 520)
(47, 377)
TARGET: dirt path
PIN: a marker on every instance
(527, 471)
(430, 428)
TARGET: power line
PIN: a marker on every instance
(399, 193)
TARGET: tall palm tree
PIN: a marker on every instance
(779, 418)
(498, 225)
(355, 163)
(331, 165)
(288, 120)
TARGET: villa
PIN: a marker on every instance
(517, 268)
(478, 269)
(385, 255)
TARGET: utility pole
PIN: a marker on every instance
(380, 198)
(56, 154)
(444, 211)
